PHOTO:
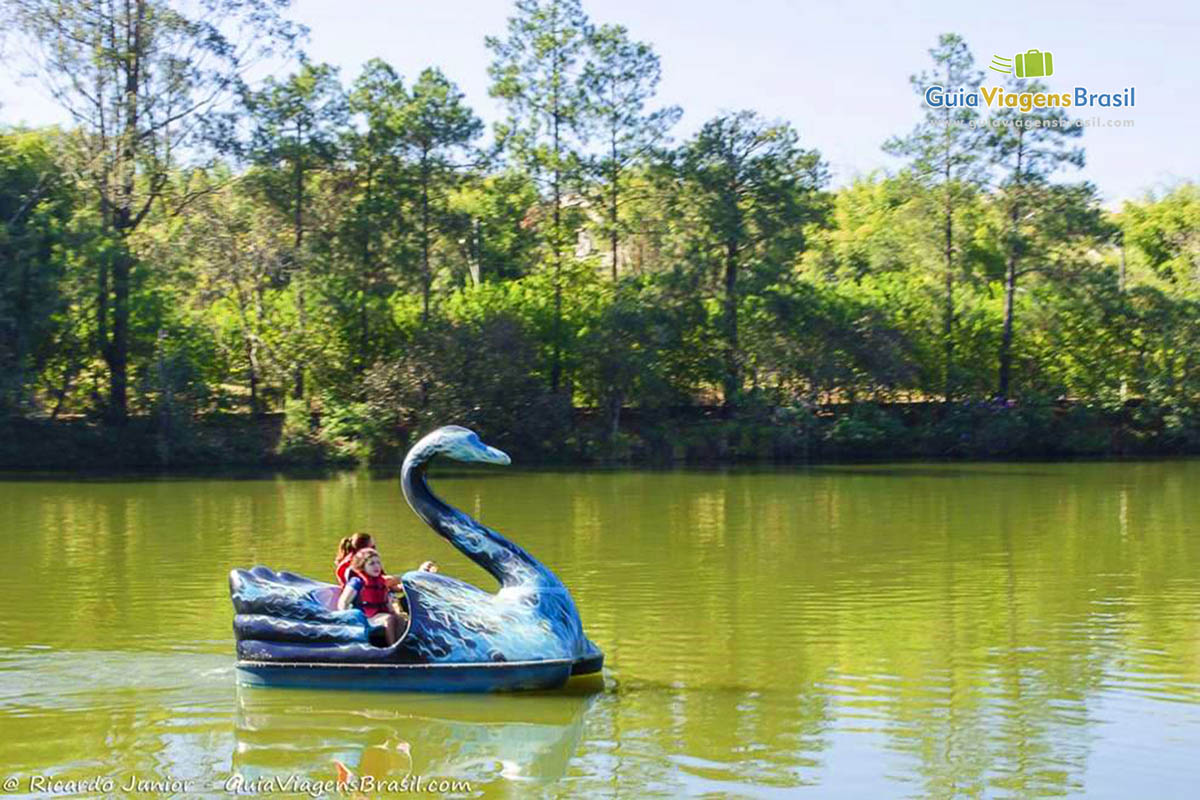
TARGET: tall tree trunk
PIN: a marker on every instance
(613, 204)
(556, 350)
(948, 311)
(948, 315)
(252, 364)
(117, 357)
(116, 354)
(1010, 277)
(1006, 338)
(363, 318)
(476, 258)
(297, 244)
(426, 268)
(104, 288)
(1121, 290)
(732, 377)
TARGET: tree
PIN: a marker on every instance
(236, 259)
(496, 244)
(750, 189)
(477, 372)
(881, 236)
(1029, 147)
(376, 227)
(535, 71)
(620, 77)
(37, 202)
(138, 78)
(437, 129)
(1166, 232)
(631, 344)
(296, 125)
(945, 152)
(815, 338)
(1162, 235)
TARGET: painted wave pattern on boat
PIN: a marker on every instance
(284, 617)
(284, 607)
(459, 622)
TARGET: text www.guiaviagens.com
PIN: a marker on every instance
(995, 123)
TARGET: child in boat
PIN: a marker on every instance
(367, 589)
(347, 547)
(350, 545)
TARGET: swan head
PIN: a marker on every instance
(462, 444)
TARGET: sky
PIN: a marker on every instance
(837, 71)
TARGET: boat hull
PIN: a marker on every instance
(478, 678)
(289, 632)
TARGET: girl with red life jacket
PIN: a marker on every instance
(347, 547)
(367, 589)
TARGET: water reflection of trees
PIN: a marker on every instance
(972, 621)
(956, 627)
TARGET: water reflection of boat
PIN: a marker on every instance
(459, 638)
(531, 737)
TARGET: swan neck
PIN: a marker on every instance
(506, 561)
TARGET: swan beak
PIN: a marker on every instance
(492, 455)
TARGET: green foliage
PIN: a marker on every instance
(745, 191)
(362, 273)
(619, 79)
(37, 201)
(947, 160)
(144, 82)
(476, 372)
(865, 432)
(1166, 234)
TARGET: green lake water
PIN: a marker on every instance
(1016, 630)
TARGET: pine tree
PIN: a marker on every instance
(296, 126)
(1028, 147)
(536, 72)
(752, 189)
(437, 128)
(945, 152)
(620, 78)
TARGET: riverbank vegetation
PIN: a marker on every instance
(318, 266)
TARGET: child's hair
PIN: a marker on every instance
(351, 544)
(360, 558)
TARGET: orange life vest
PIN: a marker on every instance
(373, 595)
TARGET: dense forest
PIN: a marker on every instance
(316, 266)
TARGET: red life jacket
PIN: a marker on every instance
(342, 567)
(373, 595)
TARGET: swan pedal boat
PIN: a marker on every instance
(459, 638)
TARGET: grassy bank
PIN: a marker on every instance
(858, 432)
